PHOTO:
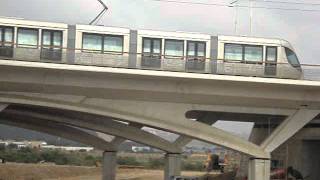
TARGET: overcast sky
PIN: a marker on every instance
(301, 28)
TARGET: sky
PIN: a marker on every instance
(300, 28)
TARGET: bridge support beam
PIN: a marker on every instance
(101, 124)
(184, 140)
(60, 130)
(3, 107)
(288, 128)
(172, 166)
(259, 169)
(109, 165)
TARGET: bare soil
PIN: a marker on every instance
(14, 171)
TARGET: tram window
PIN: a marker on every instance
(46, 37)
(233, 52)
(152, 46)
(271, 54)
(173, 47)
(92, 42)
(292, 57)
(6, 36)
(113, 43)
(253, 53)
(147, 45)
(27, 37)
(201, 49)
(51, 38)
(6, 41)
(196, 49)
(156, 46)
(191, 49)
(57, 38)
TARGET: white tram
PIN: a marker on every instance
(147, 49)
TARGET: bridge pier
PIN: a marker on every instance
(109, 165)
(259, 169)
(172, 166)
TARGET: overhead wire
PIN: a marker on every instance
(98, 17)
(288, 2)
(231, 5)
(98, 20)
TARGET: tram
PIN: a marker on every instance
(147, 49)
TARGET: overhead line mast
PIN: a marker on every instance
(98, 17)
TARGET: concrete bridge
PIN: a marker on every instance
(66, 100)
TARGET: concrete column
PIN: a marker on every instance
(109, 165)
(258, 134)
(259, 169)
(172, 166)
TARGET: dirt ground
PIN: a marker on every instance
(133, 174)
(53, 172)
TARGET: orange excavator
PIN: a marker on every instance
(214, 162)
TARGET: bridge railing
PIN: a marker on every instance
(155, 62)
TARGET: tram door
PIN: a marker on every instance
(51, 48)
(6, 41)
(151, 56)
(196, 56)
(271, 61)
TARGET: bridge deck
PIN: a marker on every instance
(159, 74)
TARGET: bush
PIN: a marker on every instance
(129, 161)
(28, 155)
(2, 147)
(192, 166)
(49, 155)
(155, 163)
(12, 146)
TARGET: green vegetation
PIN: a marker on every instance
(155, 163)
(29, 155)
(158, 163)
(128, 161)
(192, 166)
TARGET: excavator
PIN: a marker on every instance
(214, 162)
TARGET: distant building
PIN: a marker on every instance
(13, 143)
(68, 148)
(3, 143)
(19, 145)
(36, 144)
(140, 149)
(41, 145)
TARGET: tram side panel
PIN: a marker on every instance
(285, 69)
(237, 67)
(45, 44)
(279, 68)
(100, 54)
